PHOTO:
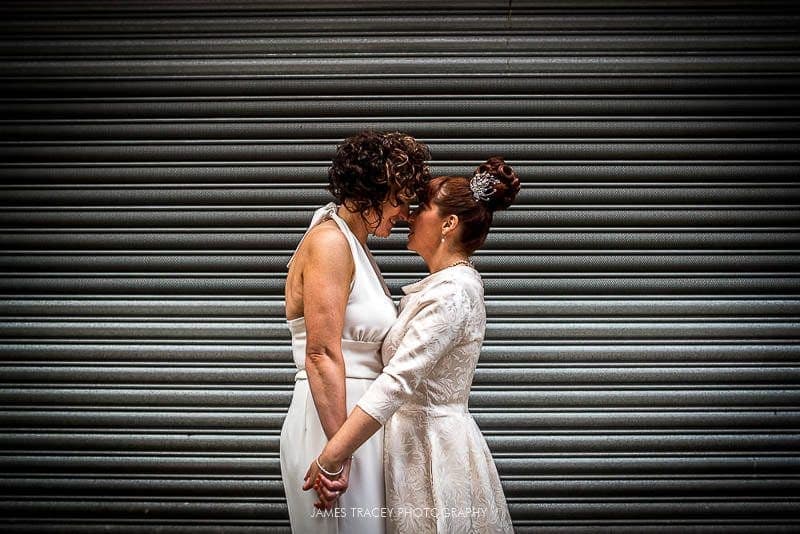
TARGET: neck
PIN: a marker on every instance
(355, 222)
(442, 259)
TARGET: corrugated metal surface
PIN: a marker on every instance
(160, 160)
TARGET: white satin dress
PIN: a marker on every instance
(369, 314)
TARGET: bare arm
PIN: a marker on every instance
(430, 335)
(327, 273)
(358, 428)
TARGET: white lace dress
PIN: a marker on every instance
(440, 476)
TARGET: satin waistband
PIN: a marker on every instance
(362, 359)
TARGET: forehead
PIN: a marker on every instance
(427, 208)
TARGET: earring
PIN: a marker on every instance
(442, 238)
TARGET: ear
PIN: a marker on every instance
(450, 223)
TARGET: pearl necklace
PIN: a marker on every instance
(459, 262)
(462, 262)
(468, 263)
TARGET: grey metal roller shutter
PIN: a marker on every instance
(160, 159)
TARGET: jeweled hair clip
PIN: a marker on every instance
(482, 185)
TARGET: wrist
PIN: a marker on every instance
(329, 461)
(330, 472)
(328, 464)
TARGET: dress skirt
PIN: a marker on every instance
(361, 509)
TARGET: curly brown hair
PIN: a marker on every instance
(371, 167)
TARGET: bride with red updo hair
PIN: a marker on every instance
(436, 458)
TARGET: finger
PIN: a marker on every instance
(327, 494)
(332, 497)
(312, 484)
(338, 485)
(327, 497)
(334, 485)
(338, 488)
(328, 483)
(323, 503)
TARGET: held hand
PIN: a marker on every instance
(328, 488)
(331, 488)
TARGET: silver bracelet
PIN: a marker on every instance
(328, 473)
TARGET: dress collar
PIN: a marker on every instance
(328, 211)
(447, 272)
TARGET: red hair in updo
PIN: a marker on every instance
(452, 196)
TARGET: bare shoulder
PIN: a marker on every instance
(326, 242)
(323, 265)
(326, 254)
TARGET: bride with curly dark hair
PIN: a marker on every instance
(339, 310)
(439, 473)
